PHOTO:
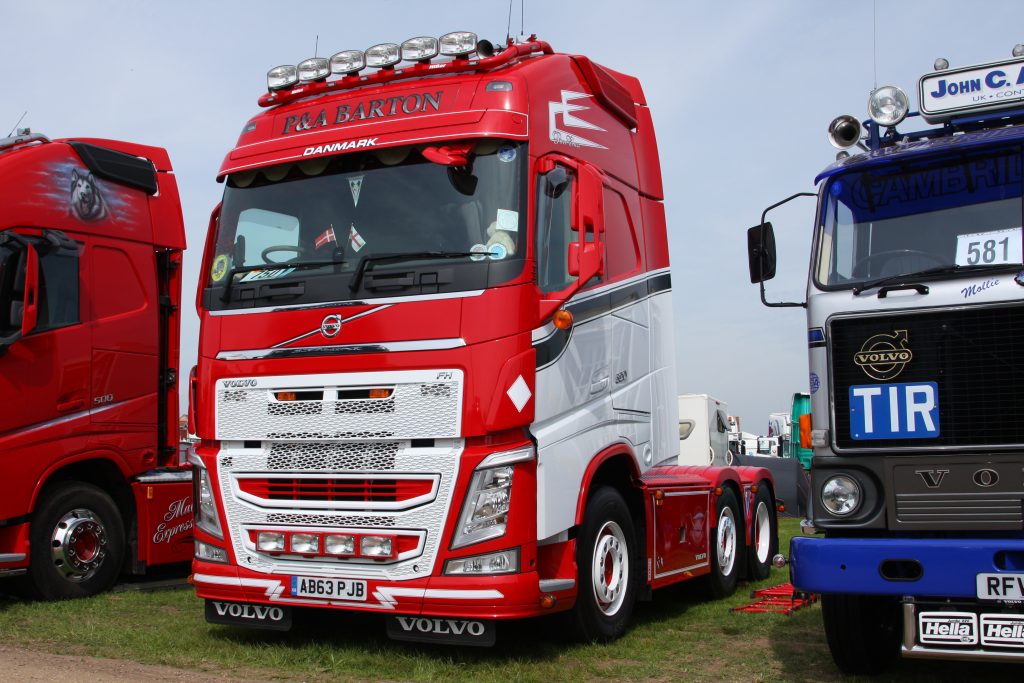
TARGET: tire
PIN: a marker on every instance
(726, 549)
(863, 631)
(764, 531)
(76, 541)
(606, 561)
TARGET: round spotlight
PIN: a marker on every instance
(841, 495)
(844, 131)
(458, 43)
(888, 105)
(314, 69)
(348, 62)
(941, 64)
(1018, 50)
(383, 55)
(421, 49)
(281, 77)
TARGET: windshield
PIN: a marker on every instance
(331, 228)
(935, 215)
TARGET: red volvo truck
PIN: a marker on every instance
(436, 372)
(91, 237)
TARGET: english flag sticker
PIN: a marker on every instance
(355, 240)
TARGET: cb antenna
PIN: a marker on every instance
(25, 113)
(316, 45)
(508, 26)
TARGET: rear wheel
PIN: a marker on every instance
(605, 558)
(76, 543)
(727, 546)
(863, 631)
(764, 542)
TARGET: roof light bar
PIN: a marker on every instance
(383, 55)
(888, 105)
(458, 43)
(281, 77)
(314, 69)
(348, 62)
(420, 49)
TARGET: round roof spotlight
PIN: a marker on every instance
(888, 105)
(1018, 50)
(941, 64)
(384, 55)
(314, 69)
(348, 62)
(485, 48)
(281, 77)
(844, 131)
(458, 43)
(421, 49)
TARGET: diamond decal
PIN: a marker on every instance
(519, 393)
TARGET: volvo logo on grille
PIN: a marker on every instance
(884, 356)
(986, 478)
(238, 383)
(331, 326)
(932, 478)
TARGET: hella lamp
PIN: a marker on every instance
(281, 77)
(305, 544)
(383, 55)
(888, 105)
(315, 69)
(348, 62)
(458, 43)
(841, 495)
(339, 544)
(419, 49)
(375, 546)
(270, 541)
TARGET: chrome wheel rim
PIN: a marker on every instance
(78, 545)
(610, 568)
(726, 545)
(762, 532)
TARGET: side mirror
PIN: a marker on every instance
(761, 252)
(30, 297)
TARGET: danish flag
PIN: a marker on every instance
(326, 237)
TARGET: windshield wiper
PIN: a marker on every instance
(364, 262)
(272, 266)
(906, 278)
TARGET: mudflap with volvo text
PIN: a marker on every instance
(442, 630)
(249, 615)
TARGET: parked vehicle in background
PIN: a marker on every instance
(91, 238)
(914, 313)
(436, 368)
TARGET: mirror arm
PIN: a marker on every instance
(764, 215)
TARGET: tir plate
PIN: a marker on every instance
(350, 590)
(1001, 587)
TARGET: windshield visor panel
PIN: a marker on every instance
(931, 217)
(398, 221)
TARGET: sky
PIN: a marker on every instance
(741, 92)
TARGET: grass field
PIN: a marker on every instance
(679, 636)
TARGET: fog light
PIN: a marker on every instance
(375, 546)
(305, 544)
(210, 553)
(339, 544)
(841, 495)
(270, 541)
(504, 562)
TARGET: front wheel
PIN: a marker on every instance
(727, 548)
(764, 542)
(76, 543)
(863, 631)
(605, 558)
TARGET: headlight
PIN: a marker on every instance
(210, 553)
(383, 55)
(503, 562)
(422, 48)
(888, 105)
(281, 77)
(314, 69)
(305, 544)
(206, 507)
(485, 510)
(841, 495)
(339, 544)
(375, 546)
(458, 43)
(270, 541)
(348, 62)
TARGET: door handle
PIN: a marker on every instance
(73, 404)
(599, 380)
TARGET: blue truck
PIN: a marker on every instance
(915, 316)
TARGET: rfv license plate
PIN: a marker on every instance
(1001, 587)
(353, 590)
(894, 411)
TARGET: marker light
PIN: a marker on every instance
(419, 49)
(348, 62)
(841, 495)
(383, 55)
(458, 43)
(281, 77)
(888, 105)
(314, 69)
(562, 319)
(844, 131)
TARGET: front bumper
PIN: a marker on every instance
(512, 596)
(948, 567)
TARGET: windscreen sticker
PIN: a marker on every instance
(271, 274)
(355, 240)
(355, 185)
(815, 382)
(508, 220)
(507, 153)
(497, 252)
(220, 268)
(989, 248)
(479, 252)
(326, 237)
